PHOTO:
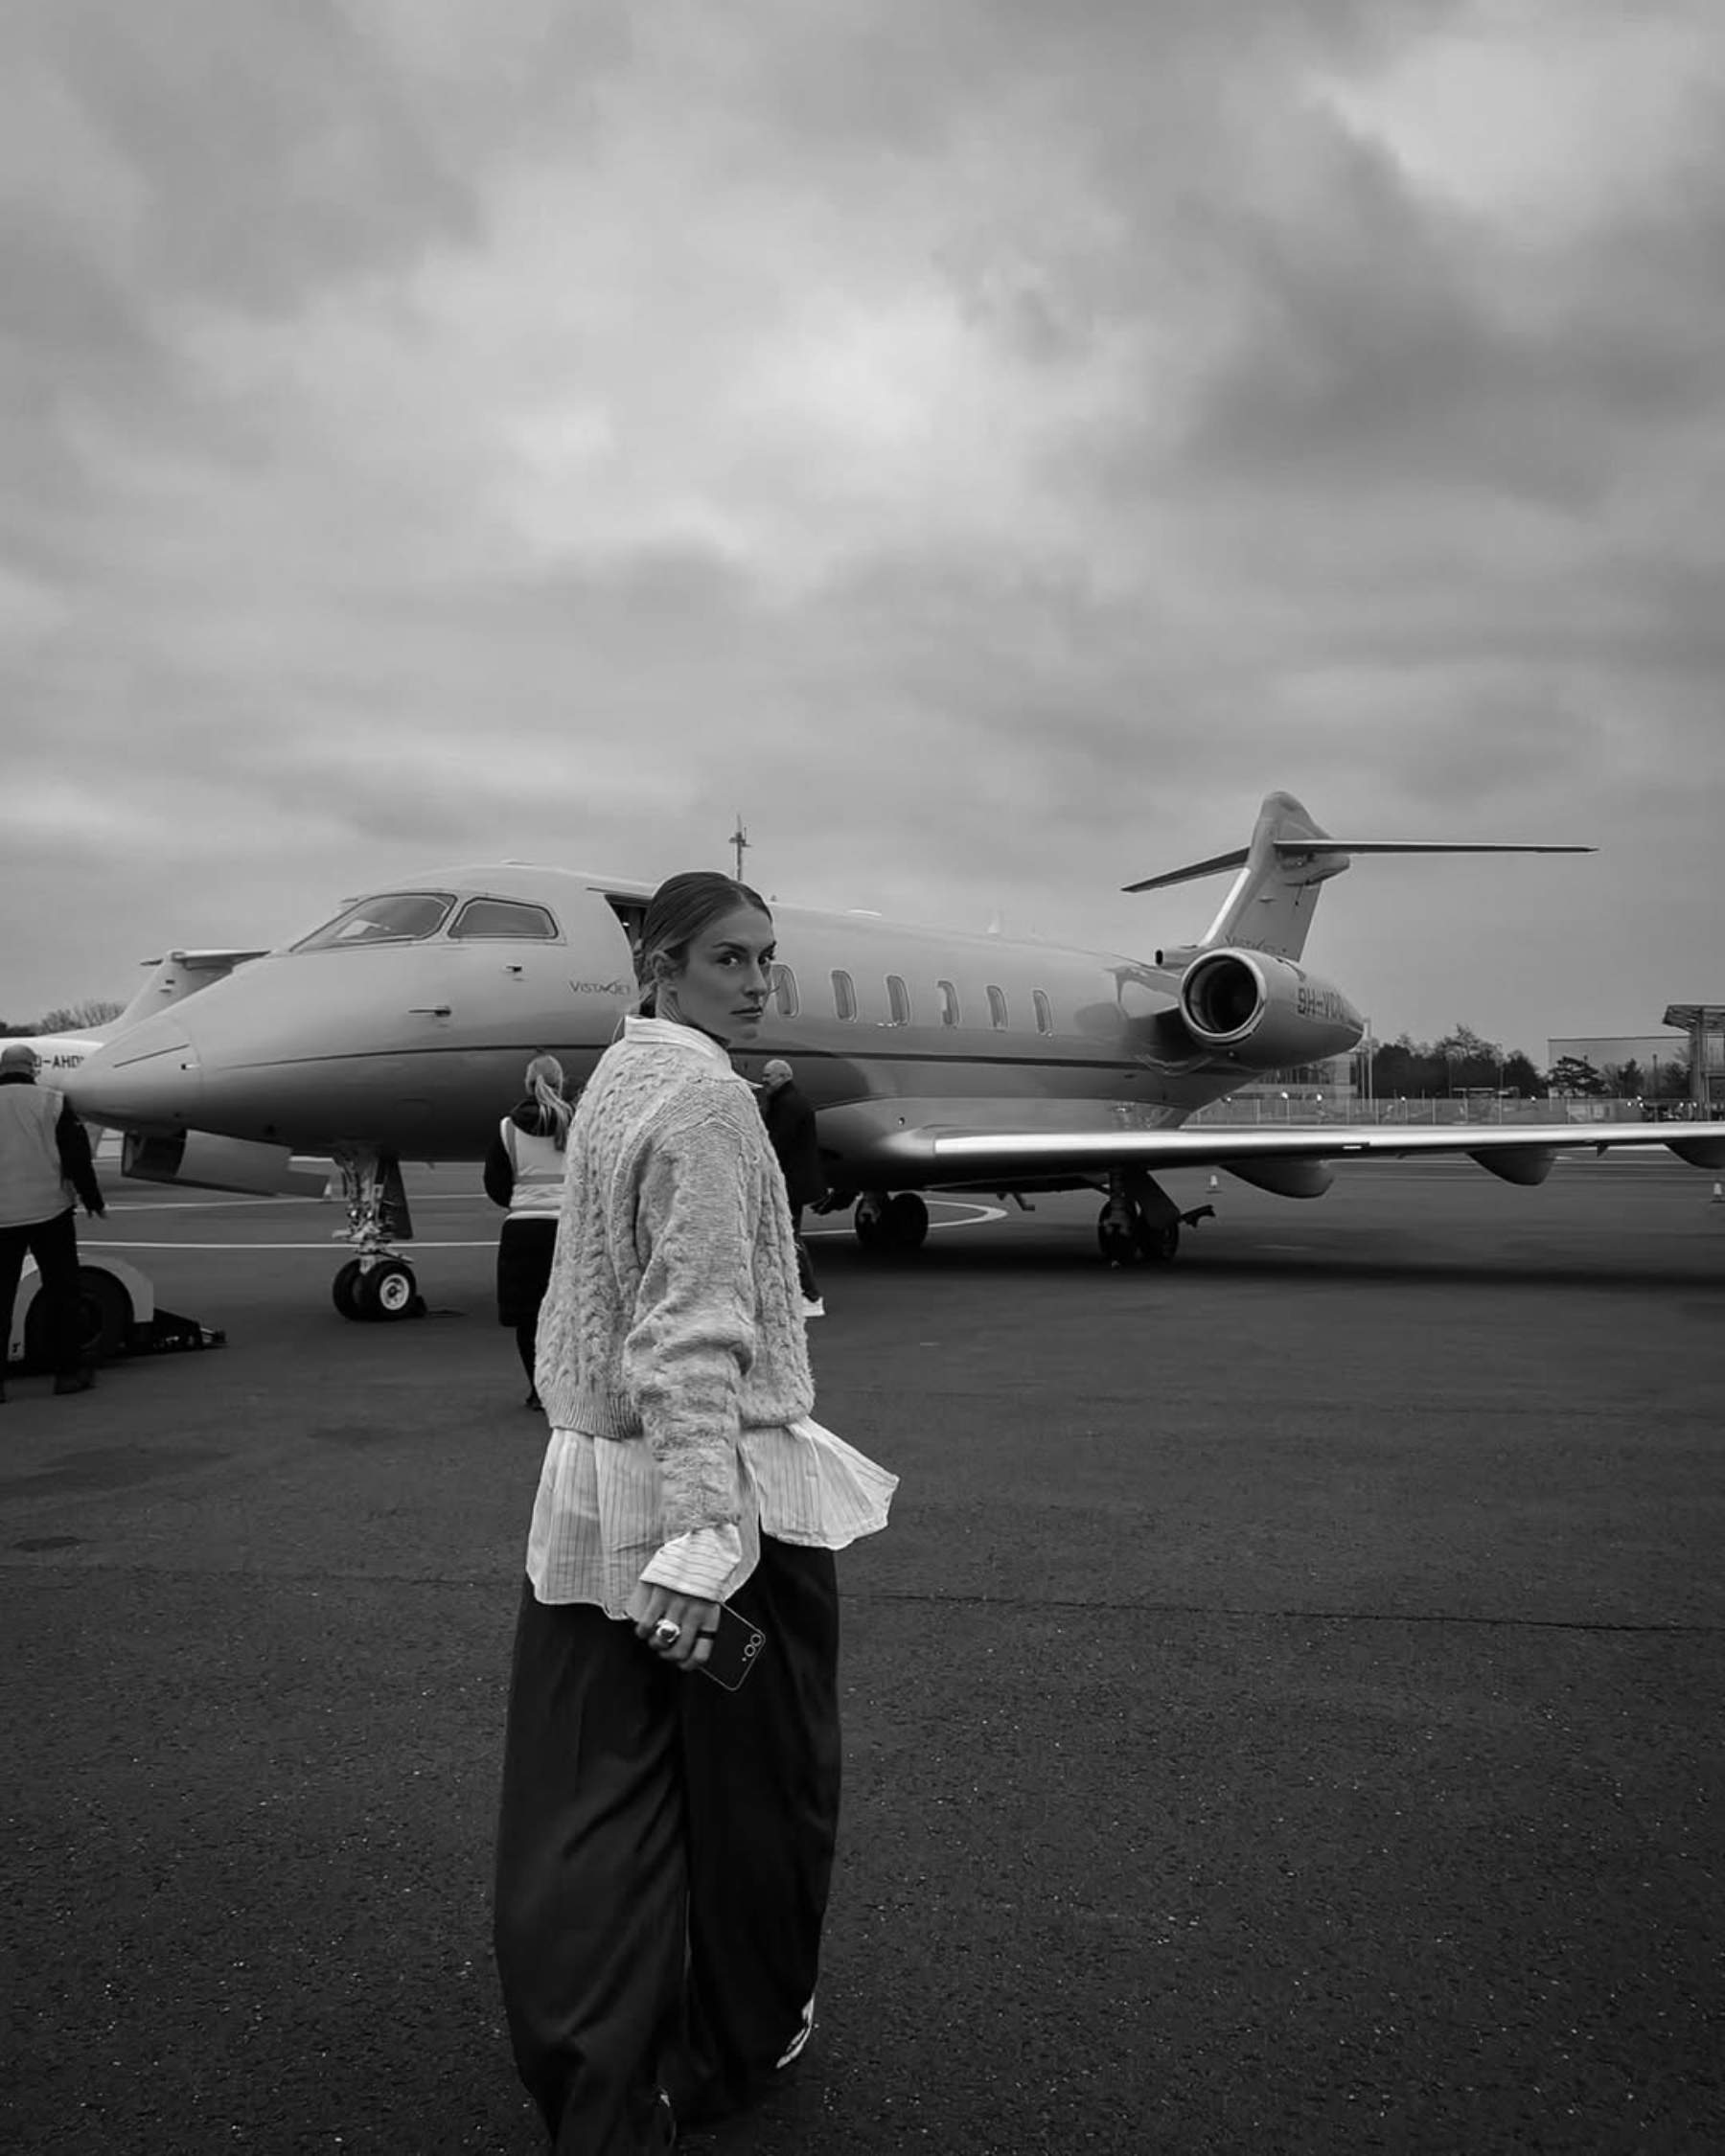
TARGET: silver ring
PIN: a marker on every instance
(666, 1633)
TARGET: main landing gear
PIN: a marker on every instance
(1140, 1223)
(377, 1284)
(897, 1225)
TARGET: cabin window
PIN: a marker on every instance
(482, 917)
(949, 1003)
(784, 992)
(844, 995)
(1044, 1017)
(997, 1008)
(395, 917)
(898, 1001)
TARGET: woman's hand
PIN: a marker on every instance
(694, 1624)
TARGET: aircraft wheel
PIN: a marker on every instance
(905, 1222)
(344, 1289)
(388, 1293)
(1159, 1242)
(105, 1315)
(1117, 1238)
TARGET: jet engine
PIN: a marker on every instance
(207, 1162)
(1265, 1012)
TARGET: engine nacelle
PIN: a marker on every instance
(1265, 1012)
(207, 1162)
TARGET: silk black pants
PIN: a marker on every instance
(664, 1852)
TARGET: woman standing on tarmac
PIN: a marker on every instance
(524, 1170)
(666, 1844)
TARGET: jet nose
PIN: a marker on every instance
(149, 1075)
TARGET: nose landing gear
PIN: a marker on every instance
(377, 1285)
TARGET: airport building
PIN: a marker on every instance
(1698, 1051)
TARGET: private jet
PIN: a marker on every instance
(937, 1062)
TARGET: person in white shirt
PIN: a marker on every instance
(665, 1847)
(524, 1172)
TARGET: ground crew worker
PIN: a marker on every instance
(45, 1168)
(790, 1127)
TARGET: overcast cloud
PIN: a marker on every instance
(989, 444)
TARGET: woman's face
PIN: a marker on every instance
(724, 982)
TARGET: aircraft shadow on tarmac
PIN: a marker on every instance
(1058, 1255)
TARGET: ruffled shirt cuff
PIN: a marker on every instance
(699, 1563)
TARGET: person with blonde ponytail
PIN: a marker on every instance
(524, 1173)
(665, 1844)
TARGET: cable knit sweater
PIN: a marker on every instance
(673, 1312)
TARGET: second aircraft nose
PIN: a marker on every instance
(147, 1076)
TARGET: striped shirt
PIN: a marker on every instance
(595, 1532)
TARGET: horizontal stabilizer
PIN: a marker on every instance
(1214, 866)
(1218, 864)
(1278, 876)
(1395, 846)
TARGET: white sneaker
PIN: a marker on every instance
(815, 1309)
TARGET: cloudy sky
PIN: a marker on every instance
(989, 444)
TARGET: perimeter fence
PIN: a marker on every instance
(1272, 1113)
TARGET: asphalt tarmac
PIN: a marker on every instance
(1284, 1715)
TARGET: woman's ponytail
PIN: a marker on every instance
(544, 1083)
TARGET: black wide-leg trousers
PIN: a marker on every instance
(664, 1854)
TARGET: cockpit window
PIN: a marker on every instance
(503, 917)
(396, 917)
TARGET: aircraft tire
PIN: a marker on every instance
(105, 1315)
(1158, 1242)
(388, 1293)
(1117, 1238)
(905, 1222)
(343, 1290)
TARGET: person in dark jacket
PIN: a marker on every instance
(791, 1125)
(524, 1172)
(45, 1166)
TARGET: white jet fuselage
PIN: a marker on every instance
(415, 1047)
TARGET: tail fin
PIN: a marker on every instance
(1271, 905)
(1276, 892)
(175, 978)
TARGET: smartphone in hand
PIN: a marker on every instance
(734, 1651)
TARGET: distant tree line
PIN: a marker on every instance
(74, 1017)
(1464, 1063)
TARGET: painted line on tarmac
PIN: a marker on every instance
(975, 1216)
(332, 1243)
(976, 1213)
(277, 1198)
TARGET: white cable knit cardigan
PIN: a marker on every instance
(674, 1315)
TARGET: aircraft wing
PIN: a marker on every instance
(929, 1154)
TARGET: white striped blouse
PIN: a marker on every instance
(595, 1533)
